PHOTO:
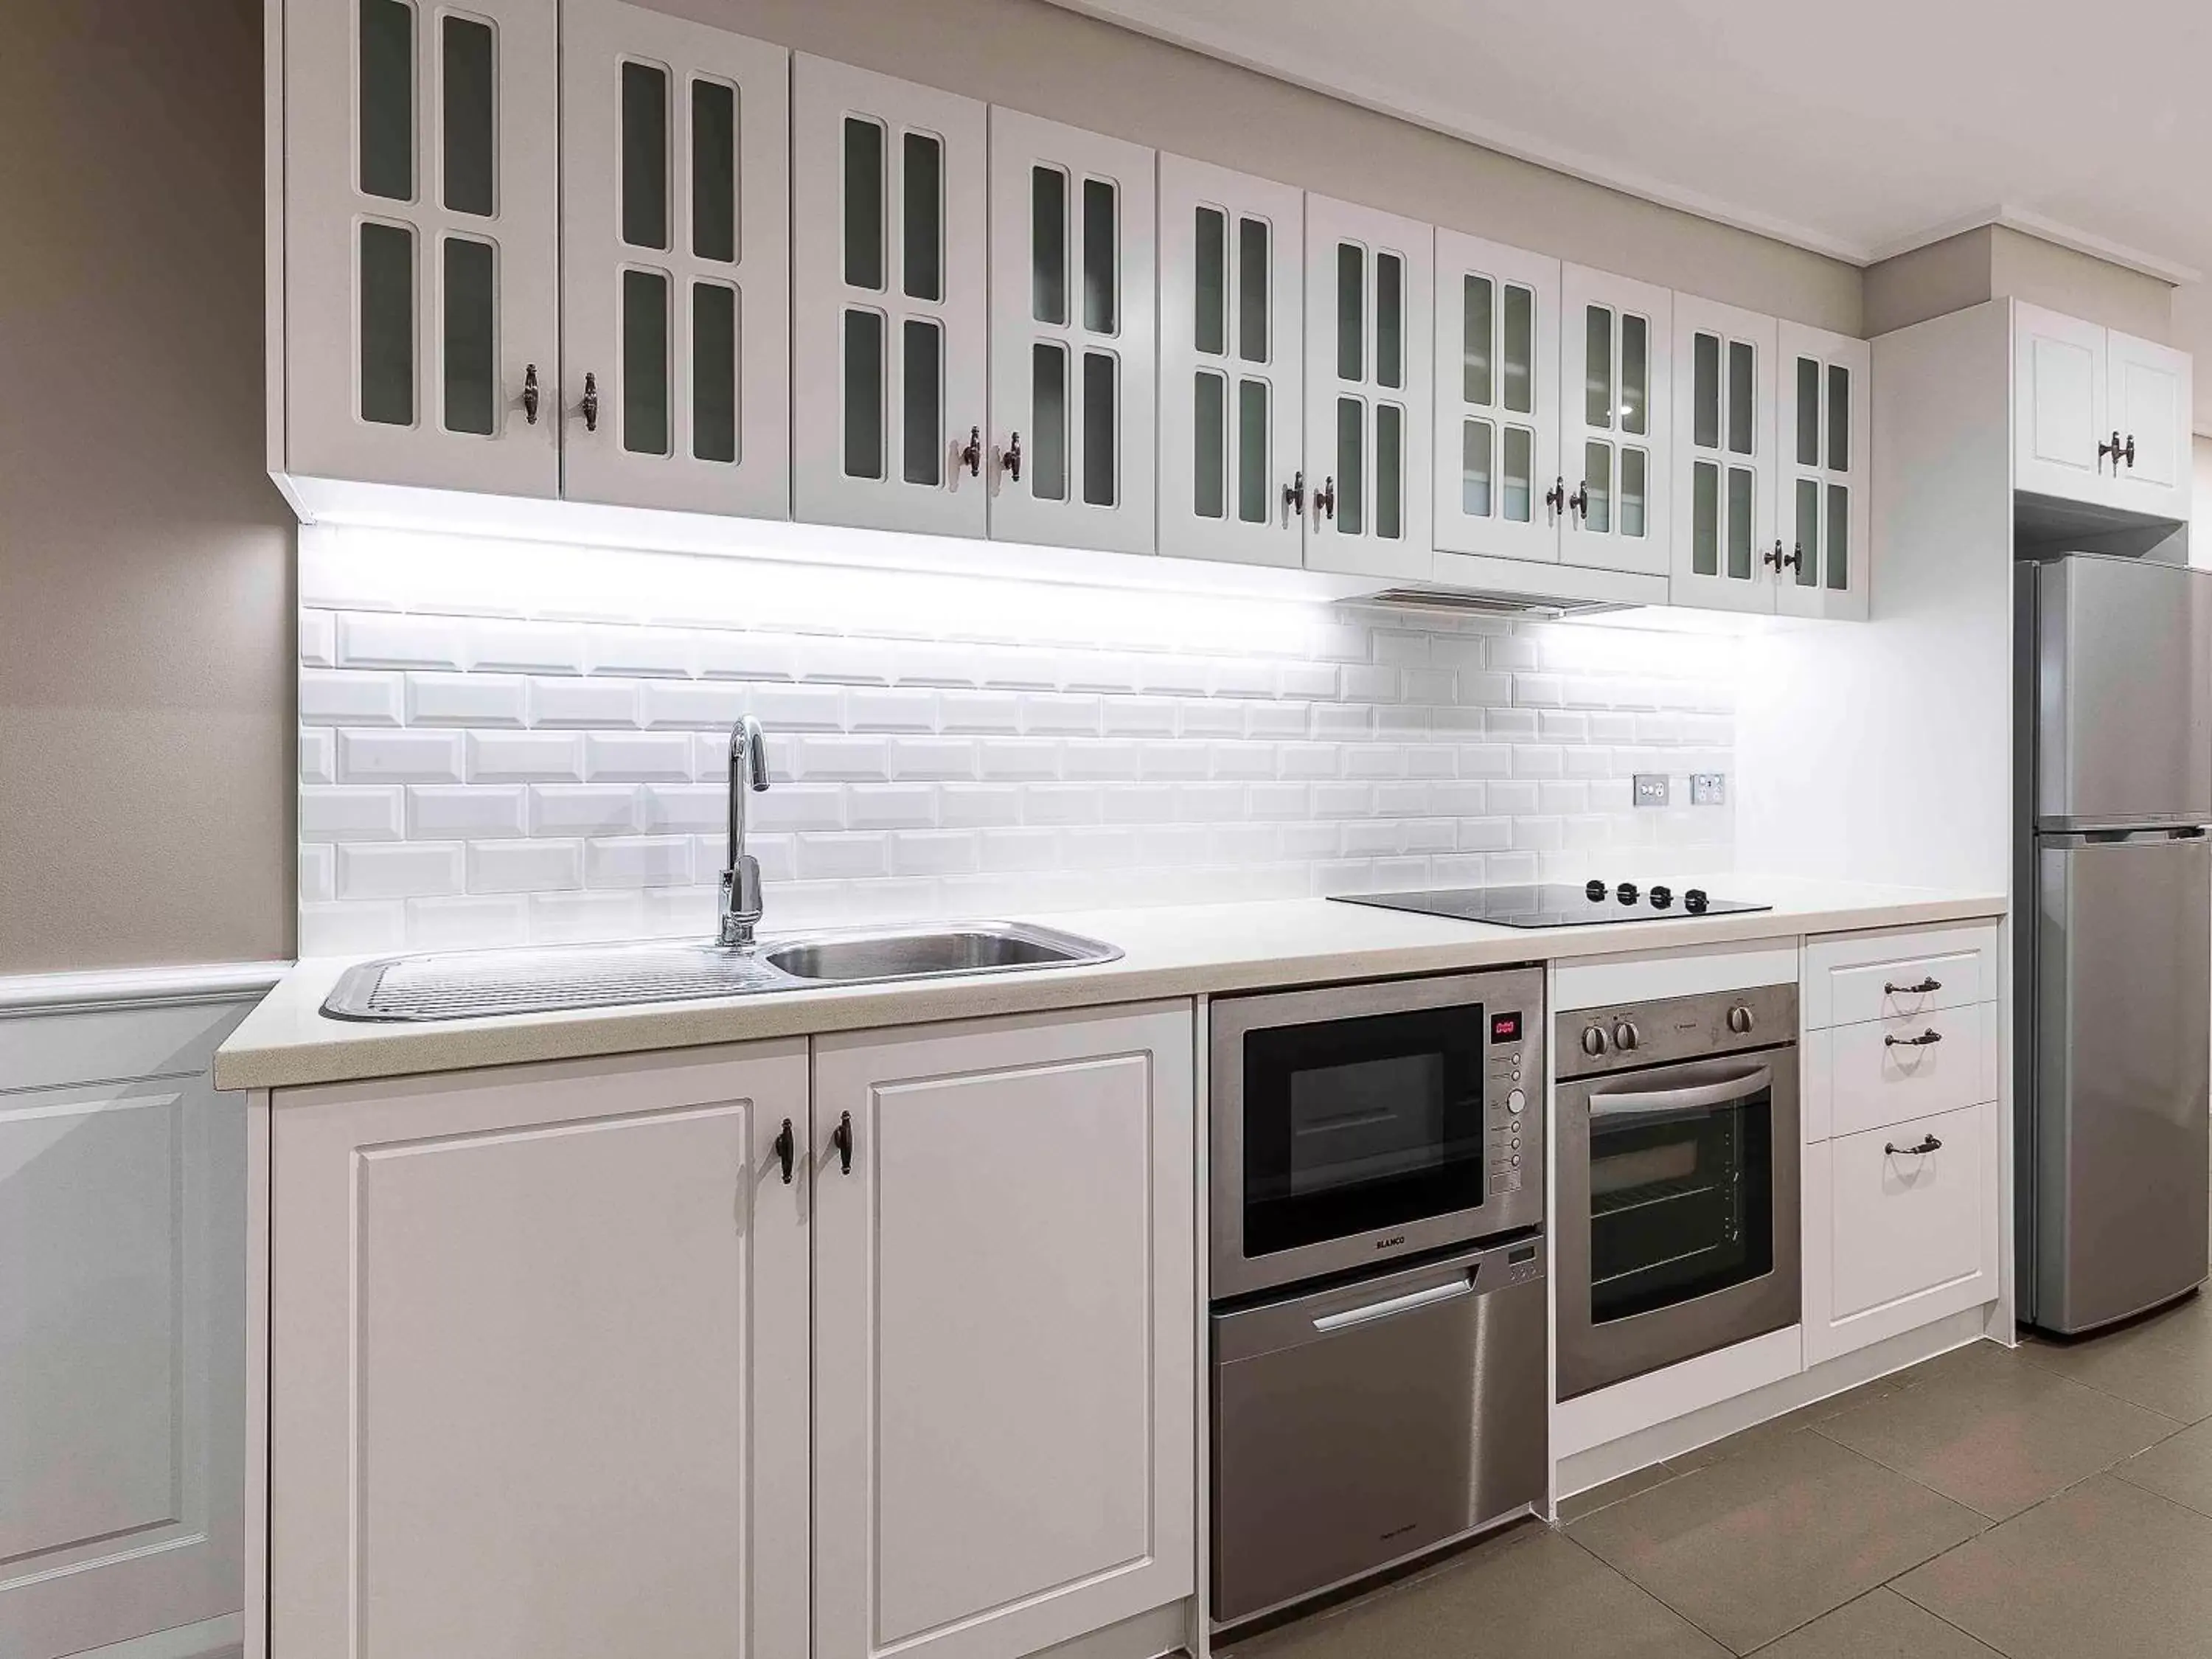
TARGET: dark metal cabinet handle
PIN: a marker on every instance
(1794, 559)
(1325, 498)
(2130, 452)
(1294, 496)
(971, 454)
(1579, 501)
(1773, 558)
(529, 393)
(1919, 990)
(786, 1149)
(1922, 1040)
(590, 406)
(2110, 451)
(1556, 497)
(842, 1139)
(1928, 1144)
(1012, 460)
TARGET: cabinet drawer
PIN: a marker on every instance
(1887, 976)
(1886, 1071)
(1908, 1225)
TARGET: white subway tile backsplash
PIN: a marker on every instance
(539, 766)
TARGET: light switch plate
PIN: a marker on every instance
(1708, 788)
(1651, 789)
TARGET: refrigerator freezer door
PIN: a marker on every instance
(2123, 717)
(2124, 1046)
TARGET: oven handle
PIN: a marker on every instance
(1704, 1096)
(1463, 1286)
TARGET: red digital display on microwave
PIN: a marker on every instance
(1505, 1028)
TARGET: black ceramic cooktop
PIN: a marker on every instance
(1558, 904)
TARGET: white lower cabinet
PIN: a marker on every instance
(562, 1364)
(537, 1362)
(1900, 1228)
(1004, 1408)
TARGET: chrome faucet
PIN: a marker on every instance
(741, 881)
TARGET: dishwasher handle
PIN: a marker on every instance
(1449, 1291)
(1703, 1097)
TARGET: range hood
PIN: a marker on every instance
(1475, 602)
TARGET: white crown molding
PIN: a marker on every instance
(1161, 21)
(139, 988)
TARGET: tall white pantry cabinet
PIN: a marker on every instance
(879, 1344)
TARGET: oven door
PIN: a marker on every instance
(1361, 1123)
(1678, 1222)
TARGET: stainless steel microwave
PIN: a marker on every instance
(1357, 1124)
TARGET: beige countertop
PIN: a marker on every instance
(1167, 951)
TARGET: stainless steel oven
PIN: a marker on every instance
(1678, 1181)
(1359, 1124)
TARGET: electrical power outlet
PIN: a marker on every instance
(1708, 788)
(1651, 789)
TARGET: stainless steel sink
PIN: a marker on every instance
(981, 948)
(471, 985)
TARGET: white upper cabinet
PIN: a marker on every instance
(888, 311)
(2058, 404)
(2099, 416)
(1498, 490)
(2148, 408)
(1725, 553)
(420, 281)
(1369, 310)
(675, 263)
(1615, 339)
(1231, 299)
(1824, 445)
(1070, 460)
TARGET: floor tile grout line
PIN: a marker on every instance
(1987, 1647)
(1643, 1590)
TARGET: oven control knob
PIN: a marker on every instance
(1516, 1103)
(1626, 892)
(1695, 900)
(1595, 891)
(1594, 1040)
(1626, 1036)
(1739, 1020)
(1661, 897)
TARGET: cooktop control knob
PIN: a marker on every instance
(1661, 897)
(1626, 892)
(1594, 1040)
(1626, 1036)
(1739, 1020)
(1695, 900)
(1595, 890)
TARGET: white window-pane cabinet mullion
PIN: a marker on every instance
(1814, 484)
(1052, 506)
(1493, 533)
(1197, 507)
(600, 463)
(1723, 535)
(1618, 545)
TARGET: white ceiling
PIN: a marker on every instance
(1858, 129)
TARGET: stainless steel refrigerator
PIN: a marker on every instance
(2115, 999)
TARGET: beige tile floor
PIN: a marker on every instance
(2044, 1503)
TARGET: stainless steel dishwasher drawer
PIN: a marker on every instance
(1357, 1425)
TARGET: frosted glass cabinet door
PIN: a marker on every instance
(888, 418)
(1070, 456)
(1233, 296)
(1823, 442)
(1497, 487)
(1616, 343)
(1725, 551)
(420, 269)
(1368, 317)
(675, 263)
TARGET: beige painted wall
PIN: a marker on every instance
(1034, 57)
(1981, 265)
(146, 628)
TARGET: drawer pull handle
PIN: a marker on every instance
(1919, 990)
(1928, 1144)
(1921, 1042)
